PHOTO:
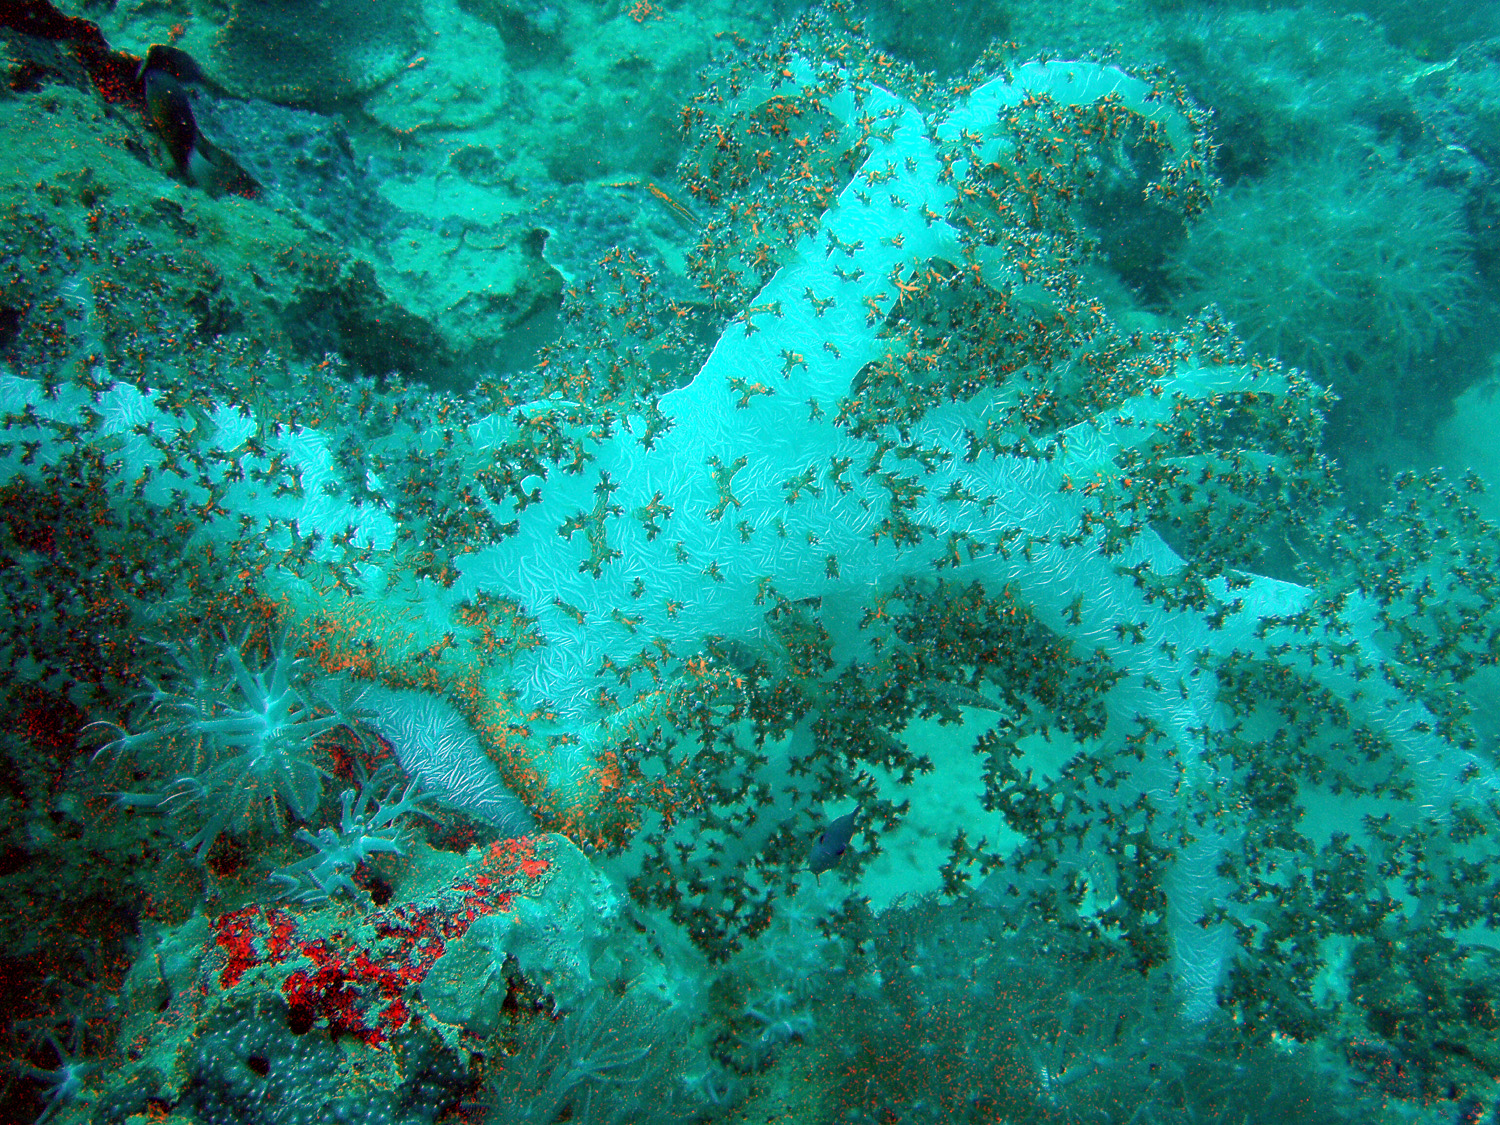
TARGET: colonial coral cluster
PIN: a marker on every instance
(688, 608)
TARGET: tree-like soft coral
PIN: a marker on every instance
(236, 747)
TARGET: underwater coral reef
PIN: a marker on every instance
(895, 618)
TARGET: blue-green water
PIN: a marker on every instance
(603, 562)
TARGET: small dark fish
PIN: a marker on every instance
(171, 115)
(169, 110)
(830, 847)
(178, 63)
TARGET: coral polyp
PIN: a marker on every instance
(235, 749)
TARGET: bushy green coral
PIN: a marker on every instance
(953, 1016)
(1336, 267)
